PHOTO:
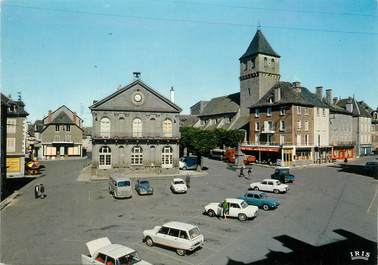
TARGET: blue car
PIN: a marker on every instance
(143, 187)
(260, 199)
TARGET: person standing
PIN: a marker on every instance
(42, 190)
(36, 192)
(249, 172)
(187, 180)
(225, 209)
(241, 172)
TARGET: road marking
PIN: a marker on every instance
(372, 201)
(166, 255)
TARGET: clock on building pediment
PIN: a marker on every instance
(137, 98)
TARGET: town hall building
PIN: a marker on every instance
(136, 129)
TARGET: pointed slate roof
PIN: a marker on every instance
(259, 45)
(221, 105)
(62, 118)
(290, 96)
(358, 108)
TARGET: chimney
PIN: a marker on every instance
(329, 96)
(319, 92)
(335, 99)
(349, 105)
(49, 117)
(172, 94)
(297, 87)
(277, 94)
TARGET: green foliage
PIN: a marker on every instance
(229, 138)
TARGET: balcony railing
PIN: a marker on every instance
(267, 129)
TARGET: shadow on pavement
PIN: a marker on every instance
(352, 250)
(358, 169)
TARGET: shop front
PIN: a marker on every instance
(343, 152)
(263, 154)
(322, 154)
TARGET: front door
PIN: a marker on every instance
(167, 157)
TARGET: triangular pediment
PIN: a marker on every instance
(126, 99)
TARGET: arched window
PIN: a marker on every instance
(105, 157)
(272, 63)
(265, 62)
(137, 156)
(137, 127)
(167, 157)
(167, 128)
(105, 127)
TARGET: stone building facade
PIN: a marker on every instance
(16, 130)
(61, 135)
(136, 129)
(289, 123)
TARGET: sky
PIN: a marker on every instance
(71, 52)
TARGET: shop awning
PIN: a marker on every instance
(260, 148)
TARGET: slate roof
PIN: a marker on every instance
(240, 122)
(358, 108)
(222, 105)
(19, 107)
(259, 45)
(334, 108)
(290, 96)
(188, 120)
(62, 118)
(138, 81)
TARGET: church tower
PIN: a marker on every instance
(259, 71)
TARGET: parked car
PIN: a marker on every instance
(143, 187)
(217, 154)
(271, 185)
(120, 186)
(260, 199)
(283, 175)
(178, 186)
(371, 168)
(188, 162)
(237, 208)
(181, 236)
(102, 251)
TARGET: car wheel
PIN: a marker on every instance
(242, 217)
(265, 207)
(184, 168)
(256, 188)
(180, 252)
(276, 191)
(211, 213)
(149, 241)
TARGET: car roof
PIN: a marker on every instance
(179, 225)
(232, 200)
(275, 180)
(117, 177)
(282, 168)
(255, 192)
(116, 250)
(177, 179)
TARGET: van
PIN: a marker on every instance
(188, 162)
(120, 187)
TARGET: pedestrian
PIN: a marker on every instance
(36, 191)
(187, 180)
(42, 190)
(346, 160)
(241, 172)
(249, 172)
(225, 209)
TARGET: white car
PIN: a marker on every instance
(181, 236)
(178, 186)
(271, 185)
(102, 251)
(236, 208)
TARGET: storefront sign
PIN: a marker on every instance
(13, 164)
(260, 148)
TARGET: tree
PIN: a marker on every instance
(198, 141)
(229, 138)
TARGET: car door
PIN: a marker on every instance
(263, 185)
(183, 240)
(234, 209)
(270, 186)
(250, 198)
(257, 200)
(173, 238)
(162, 236)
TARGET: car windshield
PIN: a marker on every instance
(194, 233)
(144, 183)
(263, 196)
(284, 171)
(244, 204)
(179, 182)
(277, 182)
(124, 183)
(129, 259)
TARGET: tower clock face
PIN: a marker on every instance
(138, 97)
